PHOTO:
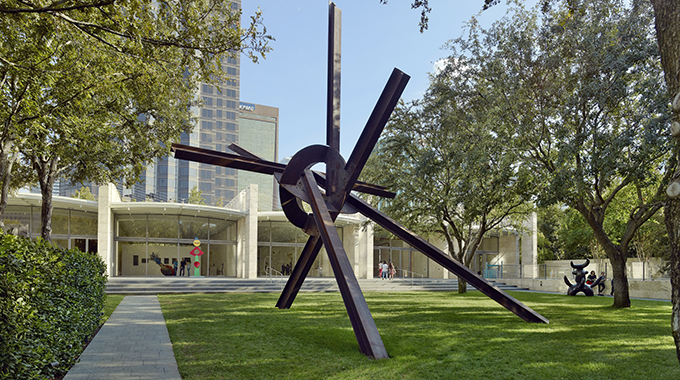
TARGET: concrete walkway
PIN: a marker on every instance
(133, 344)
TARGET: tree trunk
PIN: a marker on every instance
(462, 286)
(621, 292)
(47, 174)
(667, 23)
(673, 226)
(617, 256)
(7, 159)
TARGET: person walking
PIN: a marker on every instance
(182, 265)
(390, 273)
(385, 269)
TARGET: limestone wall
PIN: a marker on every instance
(658, 289)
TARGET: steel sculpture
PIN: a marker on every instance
(298, 183)
(581, 285)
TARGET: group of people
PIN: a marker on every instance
(386, 270)
(601, 285)
(183, 265)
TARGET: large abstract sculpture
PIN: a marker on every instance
(298, 183)
(581, 286)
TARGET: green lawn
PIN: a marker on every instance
(428, 335)
(110, 304)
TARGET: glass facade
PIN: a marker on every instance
(70, 228)
(144, 243)
(408, 262)
(258, 132)
(279, 245)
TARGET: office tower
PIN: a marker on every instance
(259, 133)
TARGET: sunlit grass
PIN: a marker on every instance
(427, 334)
(110, 304)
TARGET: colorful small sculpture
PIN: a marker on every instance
(581, 285)
(166, 269)
(196, 252)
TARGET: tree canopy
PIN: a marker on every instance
(94, 90)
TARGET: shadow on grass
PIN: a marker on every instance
(428, 335)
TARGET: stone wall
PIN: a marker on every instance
(657, 289)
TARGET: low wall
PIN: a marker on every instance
(658, 289)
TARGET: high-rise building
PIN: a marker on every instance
(218, 125)
(259, 133)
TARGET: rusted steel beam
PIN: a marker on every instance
(333, 81)
(447, 262)
(299, 273)
(207, 156)
(375, 125)
(370, 342)
(257, 165)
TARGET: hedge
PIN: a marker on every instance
(51, 302)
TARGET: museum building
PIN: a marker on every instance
(236, 240)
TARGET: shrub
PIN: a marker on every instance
(51, 301)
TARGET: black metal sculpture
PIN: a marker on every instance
(581, 285)
(298, 183)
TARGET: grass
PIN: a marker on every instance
(429, 335)
(110, 304)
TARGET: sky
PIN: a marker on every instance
(376, 38)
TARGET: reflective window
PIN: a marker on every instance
(132, 227)
(83, 223)
(163, 226)
(191, 227)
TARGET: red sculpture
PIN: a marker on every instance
(166, 269)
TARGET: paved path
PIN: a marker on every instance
(133, 344)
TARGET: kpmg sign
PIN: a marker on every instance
(246, 107)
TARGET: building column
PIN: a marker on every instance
(246, 246)
(105, 227)
(530, 247)
(366, 251)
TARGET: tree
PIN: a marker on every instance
(196, 196)
(94, 94)
(667, 23)
(84, 193)
(579, 90)
(451, 174)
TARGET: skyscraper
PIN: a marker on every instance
(218, 125)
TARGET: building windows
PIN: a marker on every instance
(231, 82)
(231, 115)
(230, 137)
(218, 170)
(183, 184)
(229, 182)
(229, 59)
(207, 89)
(207, 101)
(231, 93)
(218, 147)
(206, 113)
(218, 113)
(218, 102)
(206, 138)
(231, 71)
(205, 186)
(231, 104)
(206, 174)
(206, 125)
(231, 126)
